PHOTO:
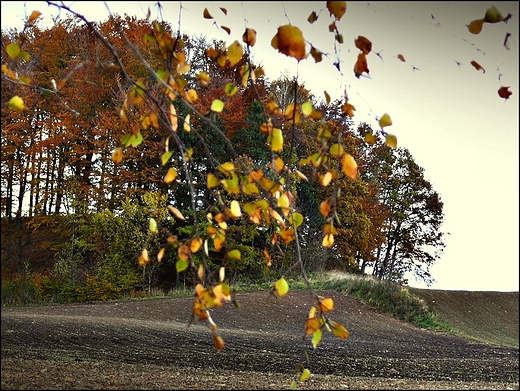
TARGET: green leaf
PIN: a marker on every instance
(153, 226)
(316, 338)
(305, 374)
(307, 108)
(217, 106)
(166, 156)
(181, 265)
(13, 50)
(230, 89)
(136, 140)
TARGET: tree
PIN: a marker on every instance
(172, 130)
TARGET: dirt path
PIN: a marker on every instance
(146, 345)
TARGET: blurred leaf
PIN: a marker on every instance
(206, 14)
(234, 254)
(361, 65)
(117, 155)
(165, 157)
(313, 17)
(276, 140)
(326, 304)
(401, 57)
(349, 166)
(504, 92)
(385, 121)
(475, 27)
(281, 287)
(289, 41)
(218, 342)
(13, 50)
(212, 181)
(363, 44)
(477, 66)
(235, 53)
(16, 104)
(235, 209)
(316, 338)
(305, 374)
(153, 226)
(493, 15)
(217, 106)
(160, 254)
(391, 141)
(338, 330)
(249, 37)
(337, 8)
(195, 245)
(176, 212)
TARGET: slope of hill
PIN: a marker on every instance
(490, 317)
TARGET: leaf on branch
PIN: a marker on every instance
(153, 226)
(338, 330)
(289, 41)
(475, 27)
(337, 8)
(235, 53)
(249, 37)
(117, 155)
(316, 338)
(176, 212)
(361, 65)
(217, 106)
(195, 245)
(16, 104)
(385, 121)
(313, 17)
(349, 166)
(391, 141)
(363, 44)
(326, 304)
(218, 342)
(275, 140)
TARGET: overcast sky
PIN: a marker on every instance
(444, 111)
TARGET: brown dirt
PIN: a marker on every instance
(146, 345)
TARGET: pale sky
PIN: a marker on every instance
(449, 116)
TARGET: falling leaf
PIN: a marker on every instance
(281, 287)
(477, 66)
(504, 92)
(305, 374)
(13, 50)
(475, 27)
(348, 109)
(160, 254)
(506, 39)
(337, 8)
(226, 29)
(363, 44)
(361, 65)
(385, 121)
(289, 41)
(218, 342)
(34, 15)
(401, 57)
(313, 17)
(206, 14)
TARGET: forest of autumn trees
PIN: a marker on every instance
(134, 158)
(64, 175)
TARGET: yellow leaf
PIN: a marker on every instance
(160, 254)
(221, 274)
(370, 138)
(307, 108)
(195, 244)
(305, 374)
(34, 15)
(289, 41)
(212, 181)
(171, 175)
(338, 330)
(327, 97)
(385, 121)
(187, 127)
(217, 106)
(281, 287)
(337, 8)
(276, 140)
(16, 104)
(349, 166)
(391, 141)
(267, 258)
(336, 150)
(200, 273)
(328, 241)
(173, 118)
(325, 178)
(235, 53)
(235, 209)
(153, 225)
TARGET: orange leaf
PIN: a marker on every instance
(349, 166)
(363, 44)
(338, 330)
(249, 37)
(475, 27)
(289, 41)
(218, 342)
(504, 92)
(311, 325)
(361, 65)
(326, 304)
(337, 8)
(325, 208)
(206, 14)
(477, 66)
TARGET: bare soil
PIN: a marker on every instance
(147, 345)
